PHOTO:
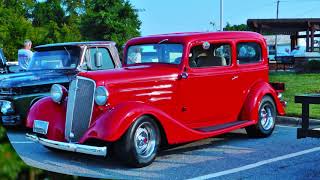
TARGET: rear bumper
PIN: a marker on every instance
(79, 148)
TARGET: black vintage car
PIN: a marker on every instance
(51, 64)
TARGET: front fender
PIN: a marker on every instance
(47, 110)
(254, 98)
(111, 125)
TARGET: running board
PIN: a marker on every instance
(220, 127)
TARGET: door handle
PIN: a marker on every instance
(234, 78)
(184, 75)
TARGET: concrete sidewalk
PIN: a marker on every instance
(295, 121)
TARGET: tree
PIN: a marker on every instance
(50, 10)
(55, 23)
(14, 29)
(240, 27)
(113, 20)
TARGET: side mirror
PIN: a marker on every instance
(98, 59)
(3, 61)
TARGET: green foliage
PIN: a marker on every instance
(10, 163)
(54, 21)
(2, 134)
(240, 27)
(14, 28)
(48, 11)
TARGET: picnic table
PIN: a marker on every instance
(305, 130)
(284, 61)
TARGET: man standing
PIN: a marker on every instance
(25, 55)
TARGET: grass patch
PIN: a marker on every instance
(297, 84)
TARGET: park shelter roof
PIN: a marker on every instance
(283, 26)
(289, 27)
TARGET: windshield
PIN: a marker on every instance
(65, 58)
(155, 53)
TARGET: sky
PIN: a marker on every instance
(167, 16)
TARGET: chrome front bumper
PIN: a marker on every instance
(79, 148)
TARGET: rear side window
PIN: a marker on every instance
(212, 55)
(248, 52)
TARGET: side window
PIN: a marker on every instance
(248, 52)
(89, 62)
(209, 55)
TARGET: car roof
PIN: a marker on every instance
(185, 37)
(77, 44)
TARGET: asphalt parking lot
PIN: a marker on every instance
(231, 156)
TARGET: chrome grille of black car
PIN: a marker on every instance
(79, 108)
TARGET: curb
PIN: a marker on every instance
(295, 121)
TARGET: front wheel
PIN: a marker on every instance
(267, 119)
(139, 145)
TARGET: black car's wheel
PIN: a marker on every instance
(267, 119)
(139, 145)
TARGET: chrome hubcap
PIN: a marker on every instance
(266, 117)
(145, 139)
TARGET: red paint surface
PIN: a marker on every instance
(209, 96)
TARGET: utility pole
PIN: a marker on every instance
(221, 15)
(278, 2)
(276, 38)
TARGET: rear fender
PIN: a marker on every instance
(254, 98)
(47, 110)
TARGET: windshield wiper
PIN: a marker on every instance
(69, 56)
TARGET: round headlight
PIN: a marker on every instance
(56, 93)
(7, 107)
(101, 95)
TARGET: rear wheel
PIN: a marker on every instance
(139, 145)
(267, 119)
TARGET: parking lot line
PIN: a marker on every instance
(257, 164)
(288, 126)
(21, 142)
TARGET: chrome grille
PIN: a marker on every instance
(79, 108)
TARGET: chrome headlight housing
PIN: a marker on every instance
(56, 93)
(101, 95)
(6, 107)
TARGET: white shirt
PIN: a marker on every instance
(24, 57)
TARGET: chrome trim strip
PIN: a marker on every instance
(70, 108)
(82, 58)
(78, 148)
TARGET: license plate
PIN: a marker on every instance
(40, 127)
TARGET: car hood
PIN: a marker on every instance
(133, 74)
(34, 78)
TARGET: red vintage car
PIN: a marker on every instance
(172, 89)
